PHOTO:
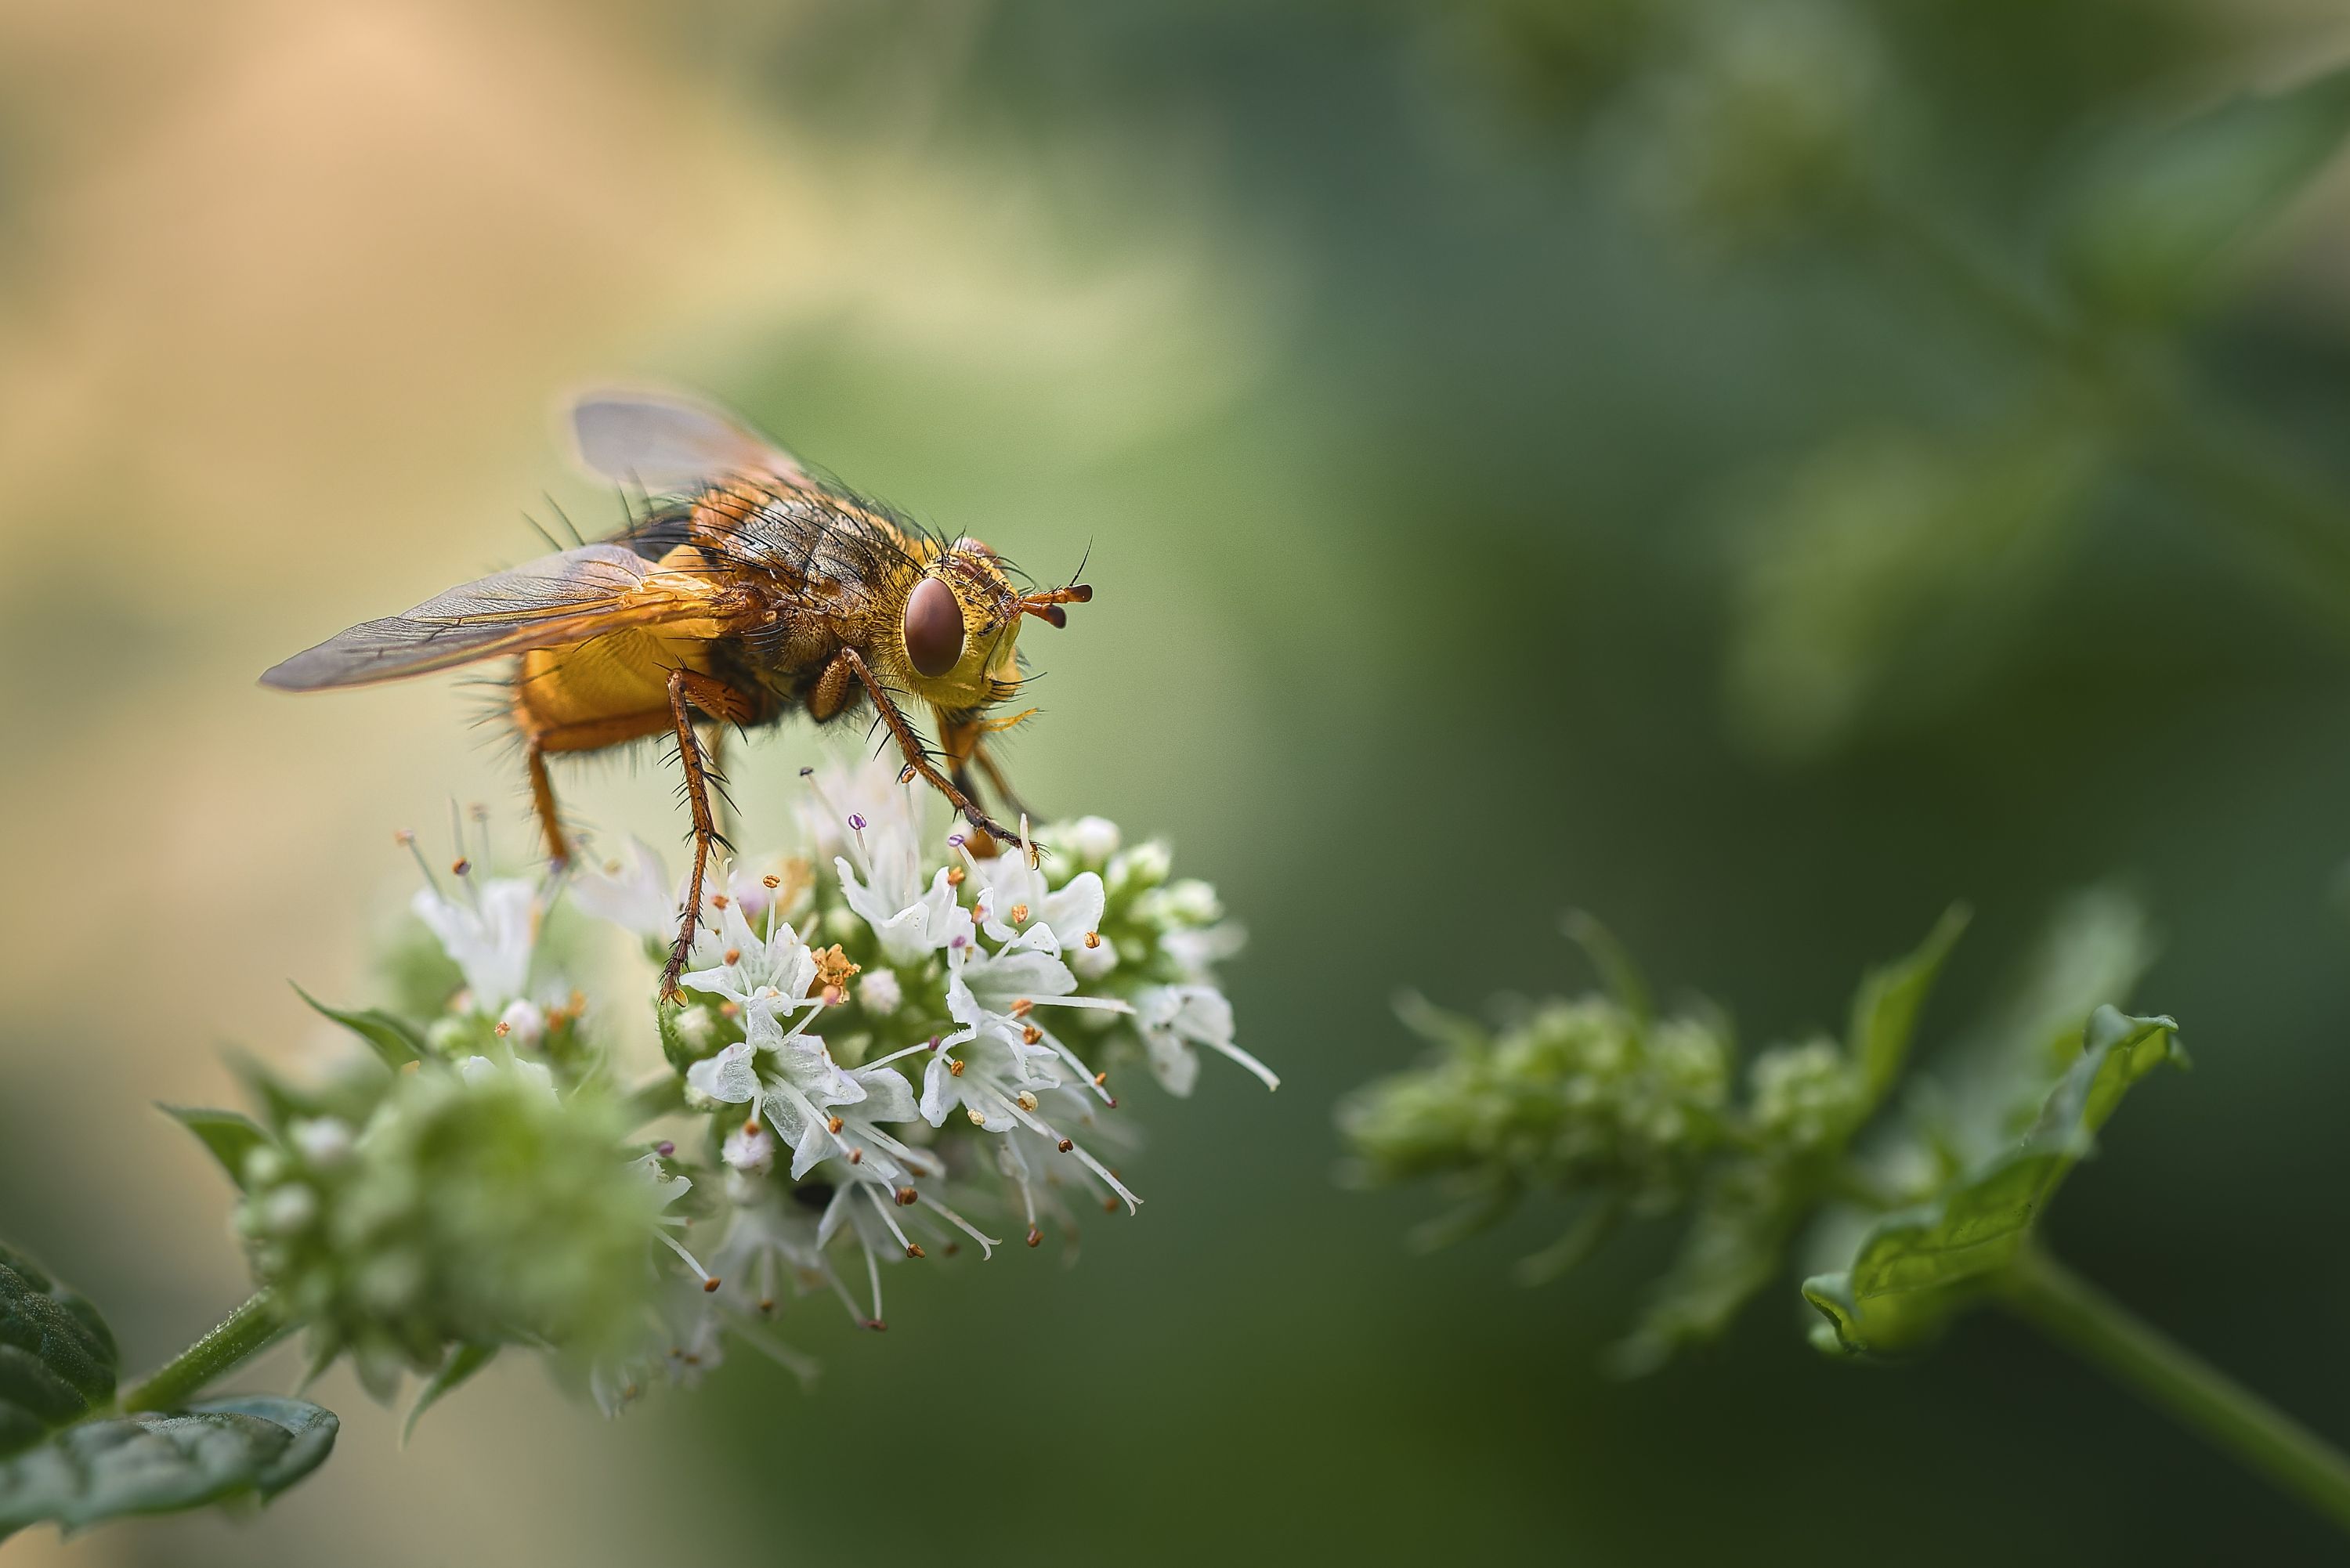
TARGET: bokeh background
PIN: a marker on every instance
(1511, 481)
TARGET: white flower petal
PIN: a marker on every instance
(731, 1077)
(632, 892)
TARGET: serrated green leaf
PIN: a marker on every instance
(2155, 214)
(1885, 1009)
(463, 1361)
(57, 1359)
(390, 1038)
(1913, 1269)
(310, 1430)
(157, 1462)
(230, 1136)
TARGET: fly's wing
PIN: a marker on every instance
(667, 444)
(550, 603)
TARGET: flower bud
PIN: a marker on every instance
(477, 1206)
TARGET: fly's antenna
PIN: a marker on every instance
(1046, 606)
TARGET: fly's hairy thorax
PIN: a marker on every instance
(793, 576)
(824, 572)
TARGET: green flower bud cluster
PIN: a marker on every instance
(1807, 1097)
(1598, 1101)
(468, 1206)
(1577, 1095)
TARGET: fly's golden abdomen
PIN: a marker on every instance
(622, 674)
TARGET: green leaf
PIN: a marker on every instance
(58, 1360)
(2155, 212)
(389, 1037)
(281, 1100)
(1731, 1250)
(157, 1462)
(463, 1361)
(1913, 1269)
(1885, 1009)
(229, 1135)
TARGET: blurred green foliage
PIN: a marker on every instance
(1678, 487)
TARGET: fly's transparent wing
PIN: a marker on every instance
(664, 442)
(550, 603)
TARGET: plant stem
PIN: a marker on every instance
(245, 1333)
(2070, 1310)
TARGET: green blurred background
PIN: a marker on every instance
(1510, 484)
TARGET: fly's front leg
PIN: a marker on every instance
(997, 782)
(962, 737)
(918, 757)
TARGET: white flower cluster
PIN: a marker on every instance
(892, 1044)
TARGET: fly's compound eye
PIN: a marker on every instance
(933, 628)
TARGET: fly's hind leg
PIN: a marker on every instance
(689, 691)
(540, 741)
(542, 800)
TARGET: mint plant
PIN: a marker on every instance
(1910, 1196)
(893, 1049)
